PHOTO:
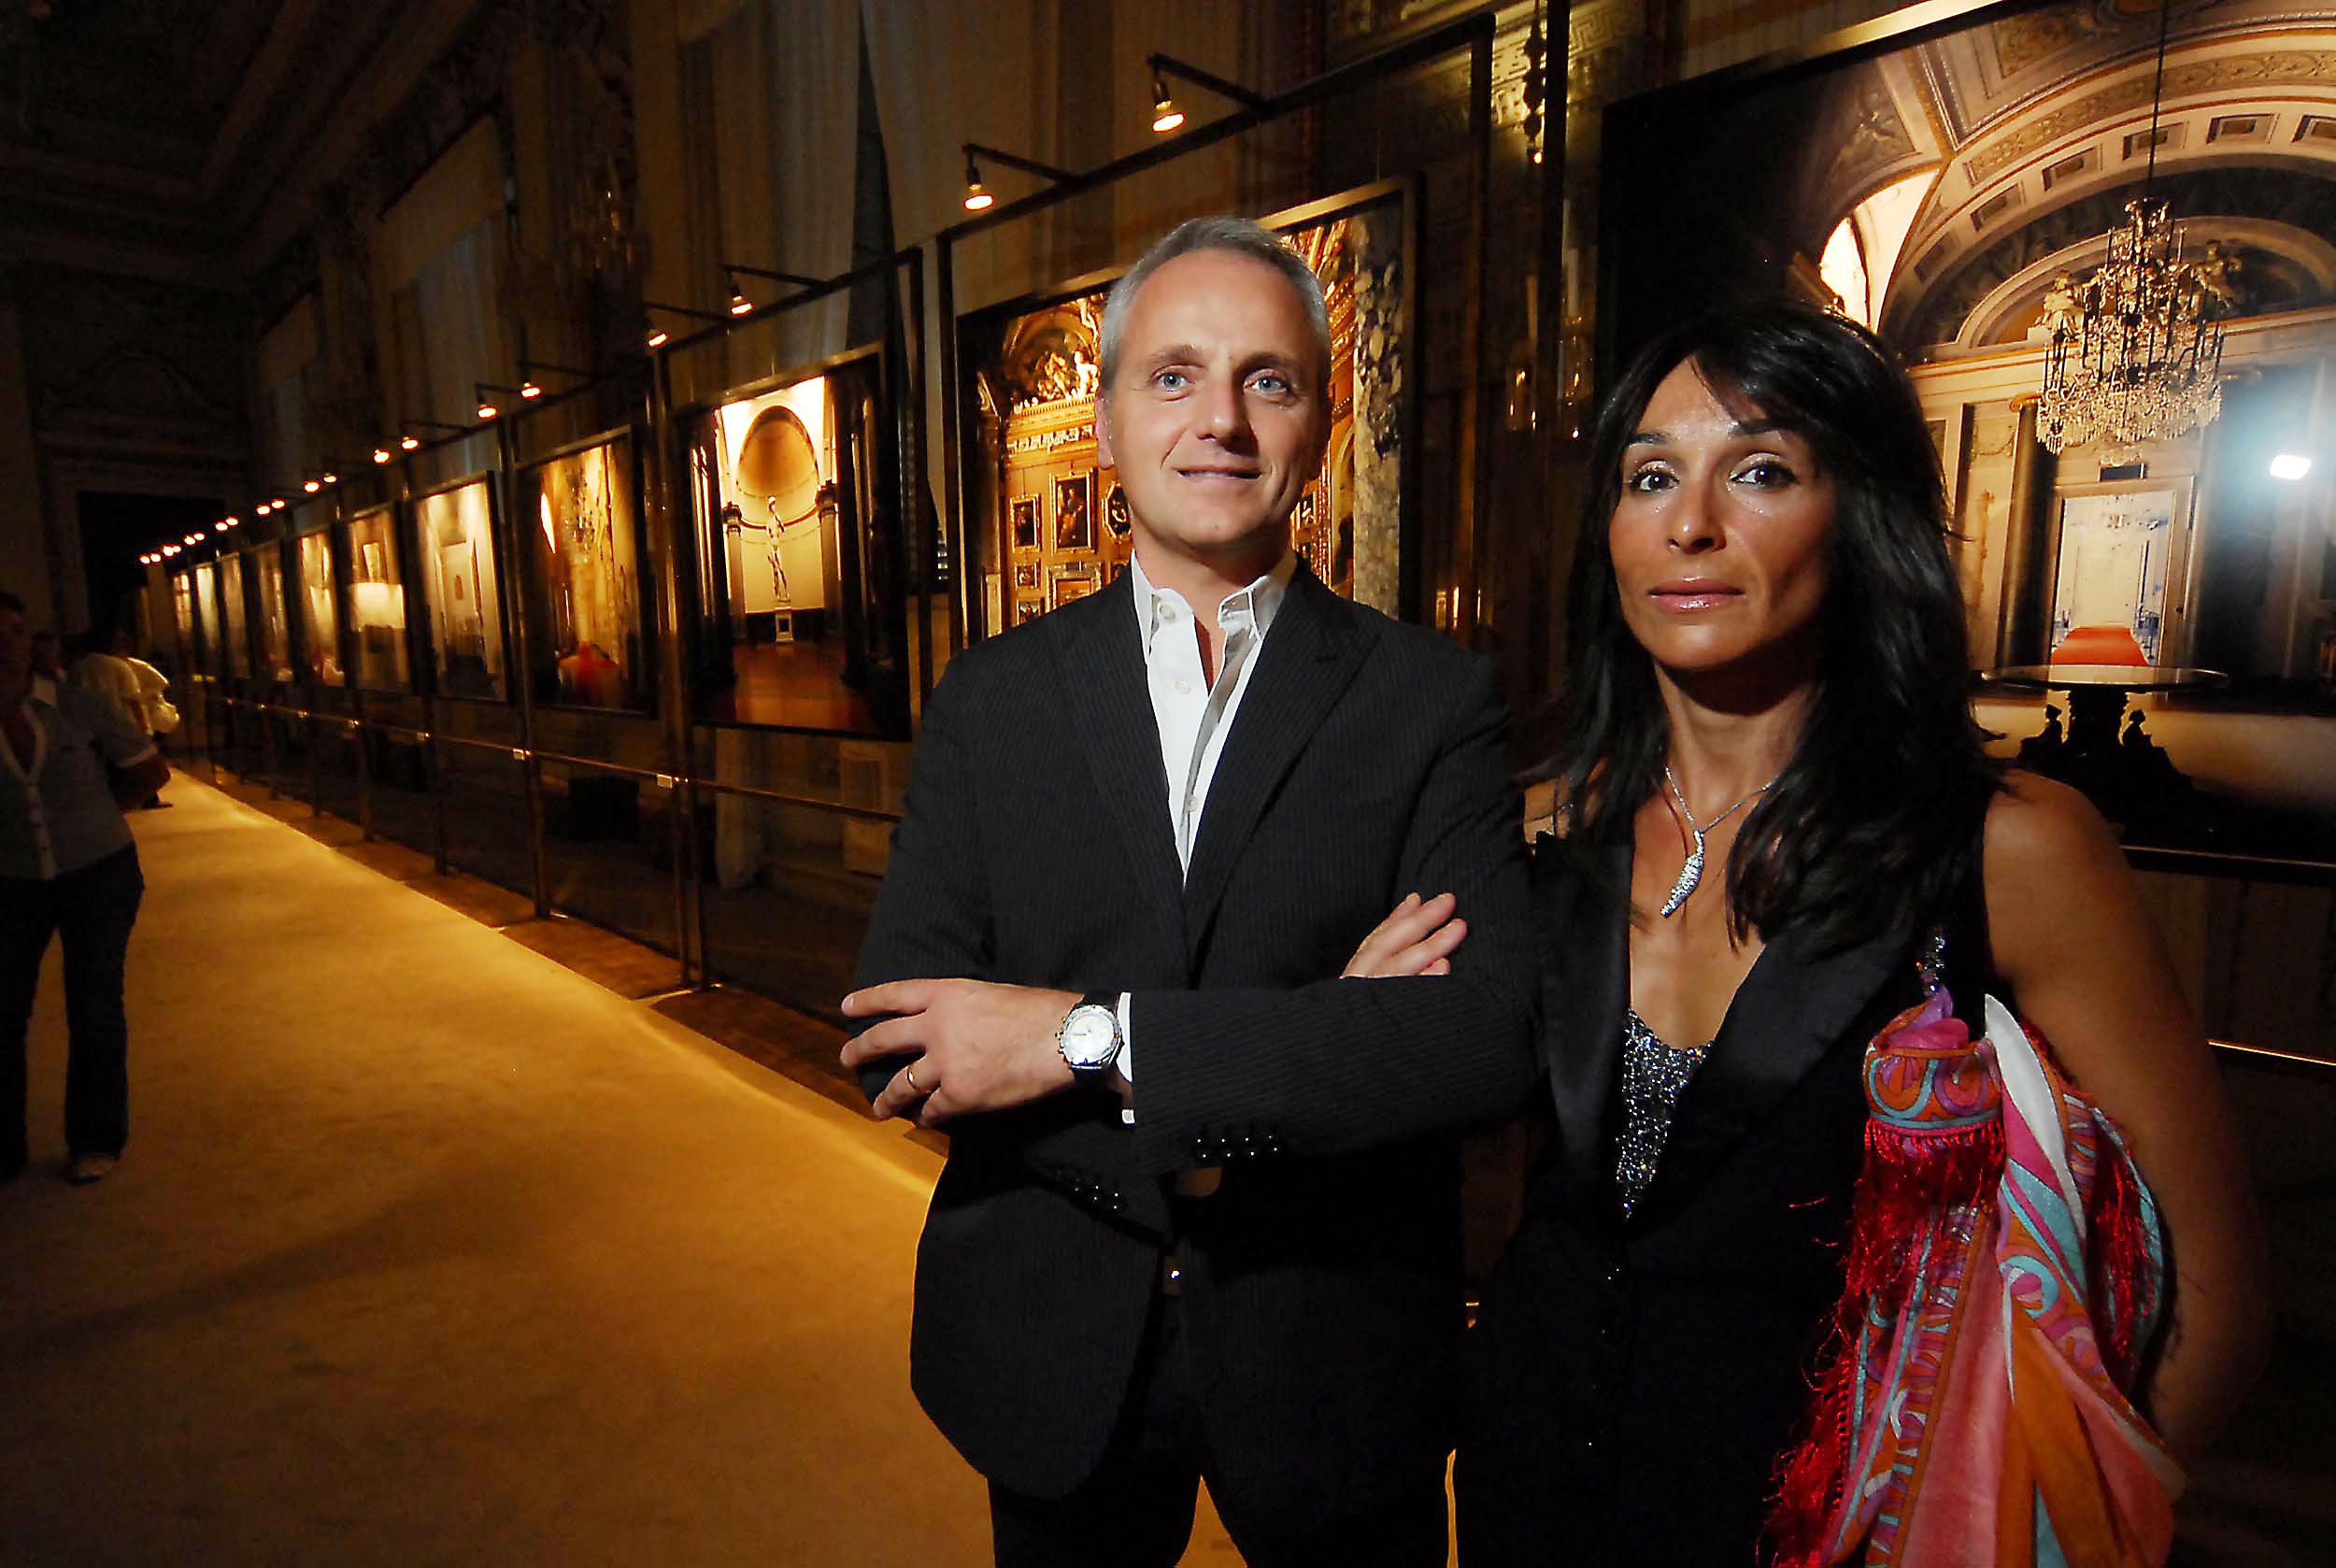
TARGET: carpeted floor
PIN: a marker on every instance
(426, 1250)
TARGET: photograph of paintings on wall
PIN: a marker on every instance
(456, 527)
(792, 491)
(182, 609)
(274, 663)
(319, 614)
(376, 601)
(234, 617)
(1053, 515)
(577, 511)
(213, 660)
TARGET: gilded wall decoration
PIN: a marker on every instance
(2184, 78)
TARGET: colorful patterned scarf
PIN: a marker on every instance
(2004, 1273)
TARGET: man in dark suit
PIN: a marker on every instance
(1200, 1217)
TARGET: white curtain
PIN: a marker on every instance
(462, 338)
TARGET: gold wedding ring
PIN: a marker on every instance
(909, 1072)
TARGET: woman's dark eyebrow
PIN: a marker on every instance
(1648, 438)
(1762, 427)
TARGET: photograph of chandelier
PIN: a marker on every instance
(2136, 354)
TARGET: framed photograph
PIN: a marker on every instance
(1026, 610)
(376, 601)
(2121, 570)
(1025, 573)
(577, 511)
(1025, 514)
(1073, 583)
(1075, 512)
(456, 525)
(1116, 512)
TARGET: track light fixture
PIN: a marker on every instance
(1166, 116)
(980, 200)
(382, 454)
(170, 550)
(312, 486)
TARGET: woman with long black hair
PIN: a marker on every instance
(1777, 824)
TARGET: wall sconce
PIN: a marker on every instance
(657, 336)
(1166, 117)
(980, 200)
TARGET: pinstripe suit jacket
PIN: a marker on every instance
(1323, 1299)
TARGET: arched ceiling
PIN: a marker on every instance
(164, 137)
(2037, 131)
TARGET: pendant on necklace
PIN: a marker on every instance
(1689, 875)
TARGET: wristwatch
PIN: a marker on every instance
(1089, 1036)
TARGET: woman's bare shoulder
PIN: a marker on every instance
(2055, 878)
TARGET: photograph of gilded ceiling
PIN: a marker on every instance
(1970, 171)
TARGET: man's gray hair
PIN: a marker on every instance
(1223, 232)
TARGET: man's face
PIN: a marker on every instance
(1219, 416)
(48, 654)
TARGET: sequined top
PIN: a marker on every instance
(1654, 1076)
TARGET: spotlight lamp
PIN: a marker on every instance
(530, 389)
(1166, 116)
(978, 199)
(739, 304)
(657, 336)
(170, 550)
(312, 486)
(382, 454)
(488, 407)
(409, 443)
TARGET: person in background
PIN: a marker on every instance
(110, 670)
(69, 869)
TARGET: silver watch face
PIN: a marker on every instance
(1091, 1037)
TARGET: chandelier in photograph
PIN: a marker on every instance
(2136, 354)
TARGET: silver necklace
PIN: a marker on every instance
(1692, 873)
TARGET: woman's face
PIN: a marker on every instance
(1722, 537)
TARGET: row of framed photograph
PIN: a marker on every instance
(331, 603)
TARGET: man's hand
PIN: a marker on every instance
(1417, 938)
(971, 1045)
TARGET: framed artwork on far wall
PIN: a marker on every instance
(1075, 512)
(1070, 585)
(1026, 610)
(1025, 509)
(1026, 574)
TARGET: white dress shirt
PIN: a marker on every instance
(1195, 714)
